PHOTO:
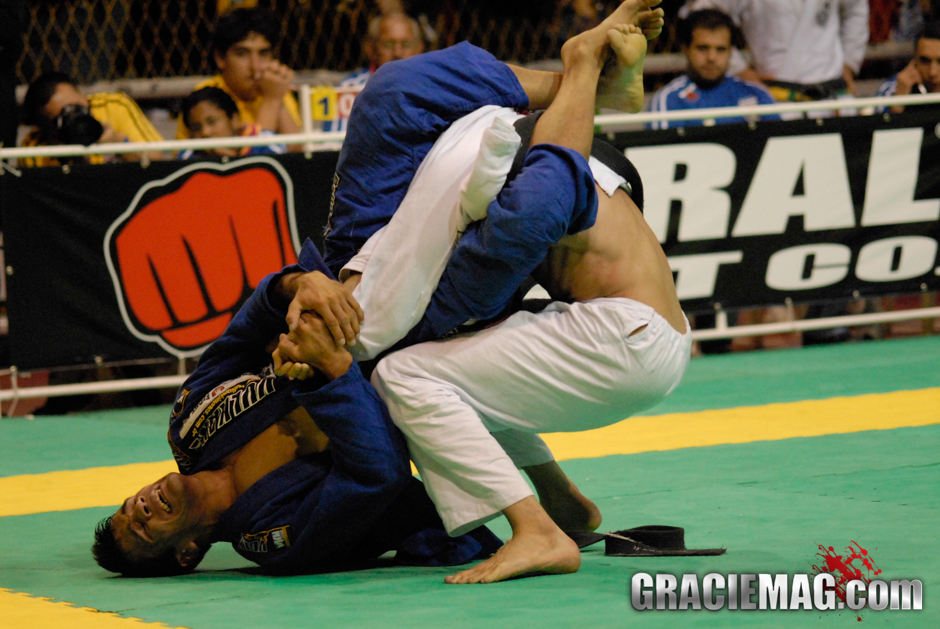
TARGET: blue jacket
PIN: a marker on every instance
(890, 88)
(332, 509)
(683, 93)
(403, 109)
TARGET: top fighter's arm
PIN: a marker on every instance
(553, 195)
(329, 299)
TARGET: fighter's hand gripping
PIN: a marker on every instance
(310, 346)
(329, 299)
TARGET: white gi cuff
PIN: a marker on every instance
(493, 163)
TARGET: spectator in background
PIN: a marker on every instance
(211, 113)
(243, 50)
(803, 51)
(706, 40)
(61, 114)
(426, 12)
(12, 18)
(896, 20)
(391, 37)
(922, 74)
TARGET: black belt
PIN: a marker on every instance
(643, 541)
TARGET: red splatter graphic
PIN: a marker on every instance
(855, 564)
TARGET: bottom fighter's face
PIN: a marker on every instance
(155, 519)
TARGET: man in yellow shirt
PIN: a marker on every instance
(61, 114)
(243, 50)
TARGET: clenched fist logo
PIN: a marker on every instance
(191, 248)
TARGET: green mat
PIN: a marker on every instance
(770, 503)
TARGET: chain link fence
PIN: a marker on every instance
(111, 40)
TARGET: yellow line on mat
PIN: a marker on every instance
(106, 486)
(876, 411)
(22, 610)
(77, 489)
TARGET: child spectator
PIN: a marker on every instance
(211, 113)
(243, 50)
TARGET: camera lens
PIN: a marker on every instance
(77, 126)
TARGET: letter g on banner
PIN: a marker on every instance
(192, 247)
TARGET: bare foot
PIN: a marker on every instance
(525, 553)
(635, 12)
(621, 83)
(537, 546)
(593, 44)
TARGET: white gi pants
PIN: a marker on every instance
(571, 367)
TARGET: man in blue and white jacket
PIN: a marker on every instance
(921, 75)
(706, 39)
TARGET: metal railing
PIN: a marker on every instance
(310, 139)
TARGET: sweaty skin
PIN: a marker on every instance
(595, 263)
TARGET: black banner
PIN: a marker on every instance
(125, 262)
(811, 210)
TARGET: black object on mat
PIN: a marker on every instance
(644, 541)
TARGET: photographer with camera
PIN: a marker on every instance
(61, 114)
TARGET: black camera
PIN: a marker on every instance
(76, 125)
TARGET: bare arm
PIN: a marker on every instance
(907, 79)
(275, 83)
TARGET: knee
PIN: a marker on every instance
(412, 394)
(395, 380)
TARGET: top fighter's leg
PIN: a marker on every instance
(537, 542)
(495, 256)
(620, 86)
(397, 117)
(562, 500)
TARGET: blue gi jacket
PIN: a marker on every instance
(683, 93)
(326, 510)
